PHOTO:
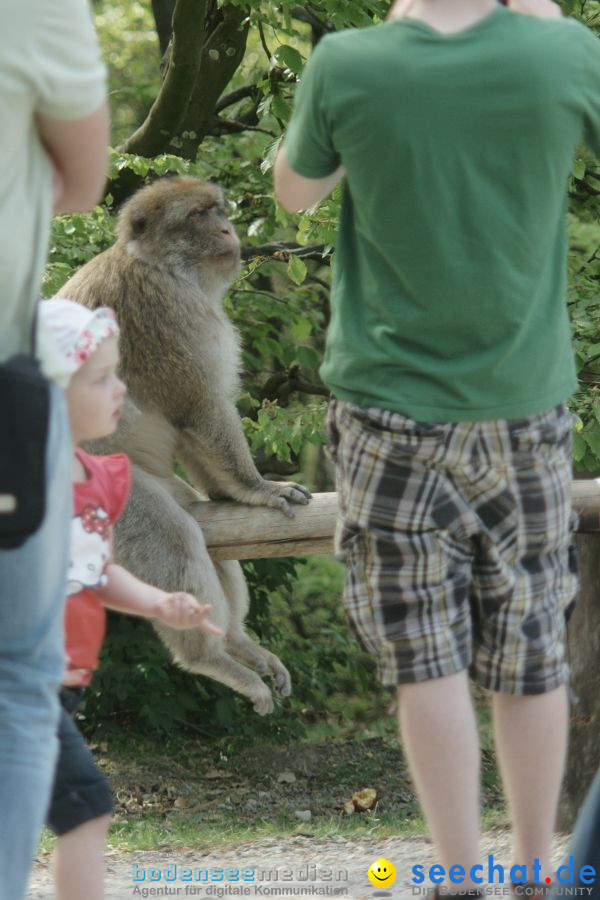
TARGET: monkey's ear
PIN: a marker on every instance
(138, 223)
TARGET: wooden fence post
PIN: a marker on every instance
(583, 758)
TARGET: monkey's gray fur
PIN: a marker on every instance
(175, 256)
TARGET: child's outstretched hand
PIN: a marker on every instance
(180, 610)
(73, 677)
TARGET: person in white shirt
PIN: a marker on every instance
(53, 158)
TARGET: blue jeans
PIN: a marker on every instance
(32, 592)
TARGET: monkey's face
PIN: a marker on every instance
(210, 229)
(184, 219)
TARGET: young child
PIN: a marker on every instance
(81, 802)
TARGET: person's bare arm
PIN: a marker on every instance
(126, 593)
(399, 9)
(540, 9)
(295, 192)
(78, 150)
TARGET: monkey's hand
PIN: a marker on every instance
(182, 610)
(279, 494)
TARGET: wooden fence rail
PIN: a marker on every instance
(235, 531)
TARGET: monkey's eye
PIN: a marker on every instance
(199, 211)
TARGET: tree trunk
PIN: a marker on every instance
(208, 45)
(168, 111)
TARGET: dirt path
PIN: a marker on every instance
(335, 867)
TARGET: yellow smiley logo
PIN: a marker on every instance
(382, 873)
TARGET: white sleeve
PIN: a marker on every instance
(68, 71)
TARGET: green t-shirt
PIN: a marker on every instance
(448, 297)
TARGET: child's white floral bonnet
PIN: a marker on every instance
(76, 331)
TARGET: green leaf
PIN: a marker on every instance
(592, 439)
(281, 108)
(579, 447)
(274, 347)
(308, 357)
(289, 56)
(281, 216)
(578, 170)
(302, 328)
(297, 270)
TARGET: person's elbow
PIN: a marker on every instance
(289, 188)
(289, 200)
(79, 154)
(297, 193)
(85, 171)
(79, 192)
(82, 193)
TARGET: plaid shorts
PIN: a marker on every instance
(457, 539)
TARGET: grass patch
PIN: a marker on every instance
(193, 795)
(229, 776)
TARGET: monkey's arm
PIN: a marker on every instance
(295, 192)
(216, 457)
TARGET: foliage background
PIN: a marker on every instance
(216, 106)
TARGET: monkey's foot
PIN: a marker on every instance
(262, 661)
(282, 678)
(262, 701)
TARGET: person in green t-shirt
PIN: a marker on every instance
(454, 126)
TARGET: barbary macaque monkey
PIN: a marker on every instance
(175, 256)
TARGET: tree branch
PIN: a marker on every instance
(221, 56)
(308, 387)
(304, 15)
(588, 189)
(280, 385)
(318, 26)
(163, 17)
(285, 249)
(217, 126)
(173, 100)
(235, 96)
(263, 40)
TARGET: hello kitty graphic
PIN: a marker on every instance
(90, 549)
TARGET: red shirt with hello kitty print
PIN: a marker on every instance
(98, 503)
